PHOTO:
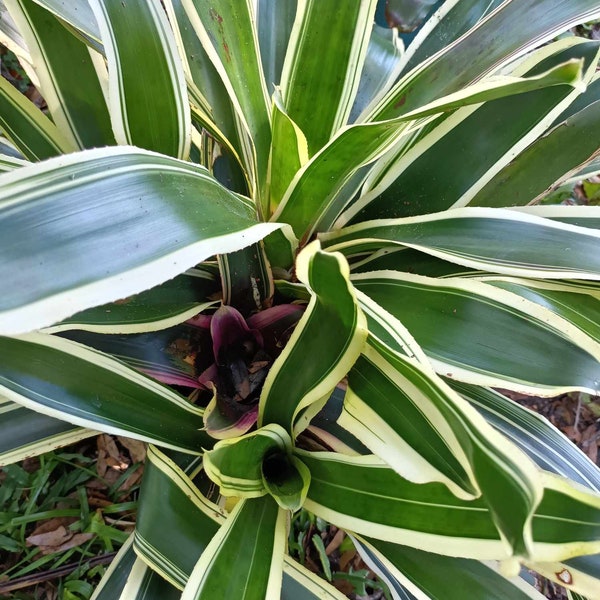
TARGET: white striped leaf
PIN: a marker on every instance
(253, 539)
(501, 241)
(543, 166)
(11, 37)
(578, 304)
(398, 258)
(10, 163)
(511, 30)
(326, 52)
(147, 93)
(569, 513)
(246, 279)
(281, 247)
(289, 152)
(161, 354)
(67, 77)
(384, 53)
(129, 220)
(363, 495)
(210, 103)
(32, 133)
(163, 306)
(275, 21)
(77, 14)
(301, 584)
(548, 447)
(313, 192)
(227, 30)
(431, 176)
(129, 578)
(192, 521)
(332, 328)
(385, 330)
(435, 577)
(406, 415)
(581, 216)
(25, 433)
(447, 24)
(63, 379)
(465, 327)
(169, 501)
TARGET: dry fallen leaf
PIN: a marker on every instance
(136, 449)
(58, 540)
(50, 538)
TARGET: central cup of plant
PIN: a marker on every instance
(258, 463)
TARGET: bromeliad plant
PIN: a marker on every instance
(296, 258)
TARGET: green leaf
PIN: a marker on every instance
(25, 433)
(227, 30)
(313, 194)
(363, 495)
(332, 328)
(275, 21)
(169, 501)
(506, 33)
(129, 219)
(326, 52)
(318, 543)
(161, 307)
(63, 379)
(428, 433)
(548, 447)
(465, 327)
(129, 578)
(544, 165)
(78, 15)
(438, 577)
(431, 176)
(246, 279)
(289, 152)
(147, 93)
(253, 539)
(67, 76)
(192, 521)
(497, 240)
(379, 71)
(27, 127)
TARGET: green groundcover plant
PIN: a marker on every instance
(298, 258)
